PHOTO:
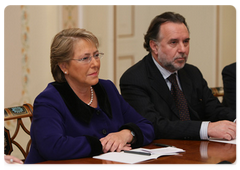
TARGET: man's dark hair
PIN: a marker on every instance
(154, 27)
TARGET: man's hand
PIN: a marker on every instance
(222, 130)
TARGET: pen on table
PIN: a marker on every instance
(162, 145)
(139, 153)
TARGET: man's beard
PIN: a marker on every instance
(172, 65)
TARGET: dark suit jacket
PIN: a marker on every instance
(145, 89)
(229, 85)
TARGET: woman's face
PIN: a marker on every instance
(82, 74)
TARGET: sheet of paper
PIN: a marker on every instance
(135, 158)
(223, 141)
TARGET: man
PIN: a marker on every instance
(147, 88)
(229, 85)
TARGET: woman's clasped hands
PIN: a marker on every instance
(117, 141)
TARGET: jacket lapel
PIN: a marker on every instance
(77, 107)
(159, 84)
(186, 84)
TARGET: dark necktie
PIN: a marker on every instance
(179, 98)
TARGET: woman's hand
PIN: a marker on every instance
(117, 141)
(12, 160)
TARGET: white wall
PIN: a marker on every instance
(42, 23)
(227, 37)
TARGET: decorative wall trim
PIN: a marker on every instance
(115, 44)
(70, 16)
(115, 36)
(127, 57)
(217, 45)
(131, 24)
(25, 41)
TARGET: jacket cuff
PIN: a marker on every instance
(138, 134)
(96, 146)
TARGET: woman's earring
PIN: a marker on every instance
(65, 72)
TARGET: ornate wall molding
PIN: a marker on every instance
(69, 16)
(25, 43)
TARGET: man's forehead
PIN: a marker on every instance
(172, 30)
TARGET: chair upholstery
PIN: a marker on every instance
(217, 91)
(17, 113)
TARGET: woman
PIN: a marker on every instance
(79, 115)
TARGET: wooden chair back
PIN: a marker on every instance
(17, 113)
(217, 91)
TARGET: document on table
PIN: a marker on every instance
(223, 141)
(131, 158)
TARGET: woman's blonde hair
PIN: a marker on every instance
(62, 48)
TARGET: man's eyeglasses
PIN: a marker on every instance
(88, 59)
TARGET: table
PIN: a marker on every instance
(197, 152)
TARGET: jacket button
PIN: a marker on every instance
(98, 112)
(104, 131)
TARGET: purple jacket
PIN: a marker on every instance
(64, 127)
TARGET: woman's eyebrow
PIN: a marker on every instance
(93, 52)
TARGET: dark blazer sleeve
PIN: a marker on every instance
(229, 85)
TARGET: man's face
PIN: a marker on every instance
(173, 46)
